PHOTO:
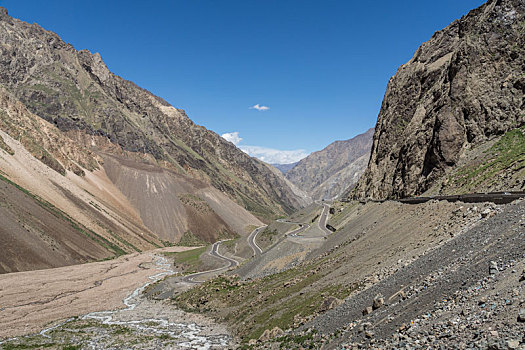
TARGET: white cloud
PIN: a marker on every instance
(268, 155)
(233, 137)
(260, 108)
(274, 156)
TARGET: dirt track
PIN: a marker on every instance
(30, 300)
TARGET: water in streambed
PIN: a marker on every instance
(143, 324)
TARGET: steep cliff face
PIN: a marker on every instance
(75, 91)
(463, 87)
(328, 173)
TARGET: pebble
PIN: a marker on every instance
(493, 267)
(521, 315)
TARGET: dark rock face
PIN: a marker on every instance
(76, 91)
(328, 173)
(462, 87)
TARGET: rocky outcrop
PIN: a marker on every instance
(75, 91)
(328, 173)
(463, 87)
(44, 141)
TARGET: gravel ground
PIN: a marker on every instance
(445, 274)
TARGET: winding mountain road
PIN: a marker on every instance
(253, 244)
(251, 240)
(302, 227)
(213, 252)
(294, 233)
(324, 219)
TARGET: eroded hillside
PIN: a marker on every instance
(58, 206)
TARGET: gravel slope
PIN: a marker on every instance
(442, 274)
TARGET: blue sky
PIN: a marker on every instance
(321, 67)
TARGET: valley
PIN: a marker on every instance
(307, 269)
(125, 225)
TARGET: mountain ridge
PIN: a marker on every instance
(76, 91)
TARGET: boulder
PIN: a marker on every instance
(521, 315)
(378, 302)
(367, 310)
(271, 334)
(486, 213)
(330, 303)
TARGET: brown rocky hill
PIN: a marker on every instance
(75, 91)
(62, 204)
(452, 106)
(328, 173)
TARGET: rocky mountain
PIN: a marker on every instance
(92, 166)
(328, 173)
(62, 203)
(75, 91)
(453, 106)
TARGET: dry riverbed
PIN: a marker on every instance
(99, 306)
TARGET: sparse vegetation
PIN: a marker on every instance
(262, 212)
(195, 202)
(342, 211)
(27, 346)
(189, 239)
(506, 155)
(267, 237)
(71, 347)
(225, 234)
(122, 240)
(305, 341)
(189, 259)
(5, 147)
(277, 300)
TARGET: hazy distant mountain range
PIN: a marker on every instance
(328, 173)
(284, 168)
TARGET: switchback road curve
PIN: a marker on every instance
(324, 218)
(213, 252)
(251, 240)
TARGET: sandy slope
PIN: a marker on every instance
(30, 300)
(171, 204)
(75, 195)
